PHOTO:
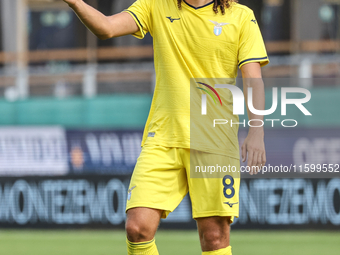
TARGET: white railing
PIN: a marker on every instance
(17, 84)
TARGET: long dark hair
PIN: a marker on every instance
(223, 4)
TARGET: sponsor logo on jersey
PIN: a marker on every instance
(254, 20)
(151, 134)
(172, 19)
(218, 27)
(129, 192)
(230, 204)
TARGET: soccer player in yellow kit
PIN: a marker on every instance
(191, 39)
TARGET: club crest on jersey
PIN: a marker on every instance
(218, 27)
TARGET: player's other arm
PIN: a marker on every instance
(253, 145)
(104, 27)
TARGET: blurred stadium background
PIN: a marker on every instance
(72, 112)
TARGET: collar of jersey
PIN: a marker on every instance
(200, 7)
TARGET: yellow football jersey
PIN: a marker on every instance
(193, 43)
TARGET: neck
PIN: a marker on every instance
(198, 3)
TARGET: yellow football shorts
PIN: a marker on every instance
(161, 179)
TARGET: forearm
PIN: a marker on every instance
(95, 21)
(252, 78)
(253, 145)
(258, 102)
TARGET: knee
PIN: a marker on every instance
(212, 240)
(137, 232)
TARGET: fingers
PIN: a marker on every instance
(264, 158)
(259, 161)
(250, 160)
(254, 167)
(244, 152)
(256, 157)
(256, 160)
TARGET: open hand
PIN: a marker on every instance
(253, 146)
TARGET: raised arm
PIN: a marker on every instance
(104, 27)
(253, 146)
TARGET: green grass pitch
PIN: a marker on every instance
(94, 242)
